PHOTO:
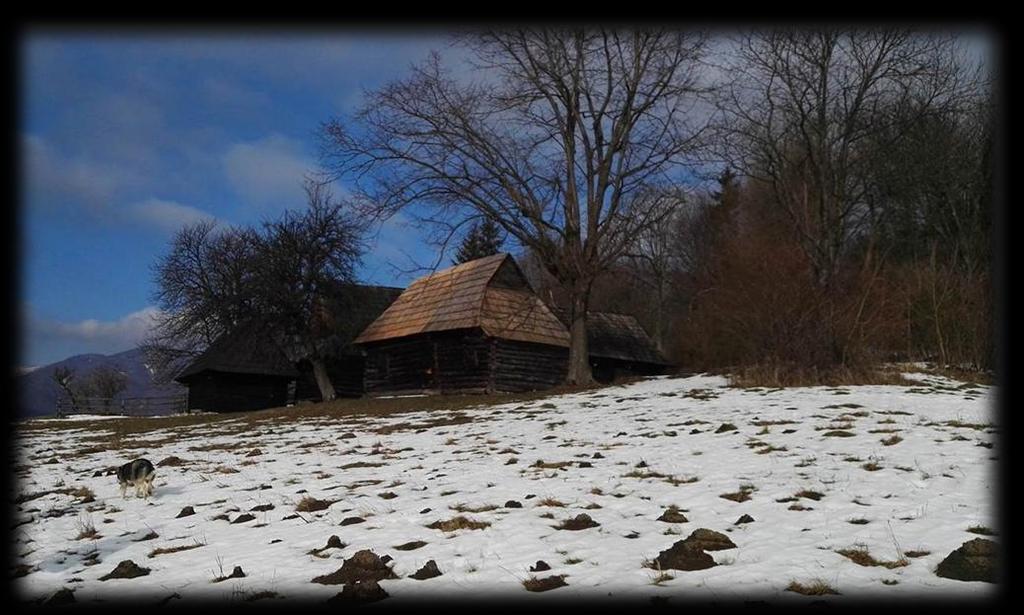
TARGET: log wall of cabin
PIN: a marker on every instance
(449, 362)
(523, 366)
(398, 365)
(225, 392)
(346, 375)
(463, 361)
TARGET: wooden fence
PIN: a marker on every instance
(126, 406)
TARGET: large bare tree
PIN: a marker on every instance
(304, 260)
(573, 141)
(278, 278)
(204, 288)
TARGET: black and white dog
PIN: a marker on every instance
(138, 474)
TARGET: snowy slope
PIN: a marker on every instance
(403, 472)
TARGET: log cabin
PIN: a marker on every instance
(473, 328)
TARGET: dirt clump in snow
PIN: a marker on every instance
(127, 569)
(411, 546)
(237, 573)
(673, 515)
(360, 592)
(689, 554)
(172, 461)
(744, 519)
(683, 555)
(975, 560)
(543, 585)
(428, 571)
(61, 596)
(579, 522)
(540, 566)
(186, 512)
(351, 520)
(365, 565)
(334, 543)
(309, 504)
(709, 540)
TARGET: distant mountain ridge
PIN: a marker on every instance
(38, 393)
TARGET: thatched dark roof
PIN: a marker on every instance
(617, 336)
(489, 293)
(247, 350)
(250, 350)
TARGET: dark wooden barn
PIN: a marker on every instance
(247, 370)
(239, 371)
(475, 327)
(619, 346)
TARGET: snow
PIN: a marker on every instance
(930, 488)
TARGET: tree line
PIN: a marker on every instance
(808, 197)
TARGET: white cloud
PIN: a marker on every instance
(167, 216)
(51, 177)
(50, 340)
(268, 172)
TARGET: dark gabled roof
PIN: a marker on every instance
(489, 293)
(247, 350)
(351, 309)
(617, 336)
(250, 350)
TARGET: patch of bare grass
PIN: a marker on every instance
(550, 465)
(782, 375)
(817, 587)
(739, 496)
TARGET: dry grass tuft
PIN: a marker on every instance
(471, 509)
(817, 587)
(458, 523)
(86, 529)
(739, 496)
(163, 550)
(809, 494)
(862, 557)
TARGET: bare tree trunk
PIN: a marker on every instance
(936, 315)
(579, 350)
(323, 381)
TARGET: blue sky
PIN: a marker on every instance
(127, 136)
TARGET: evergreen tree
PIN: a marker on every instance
(484, 239)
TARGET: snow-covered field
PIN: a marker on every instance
(622, 455)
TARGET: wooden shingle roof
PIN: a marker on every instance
(489, 293)
(618, 336)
